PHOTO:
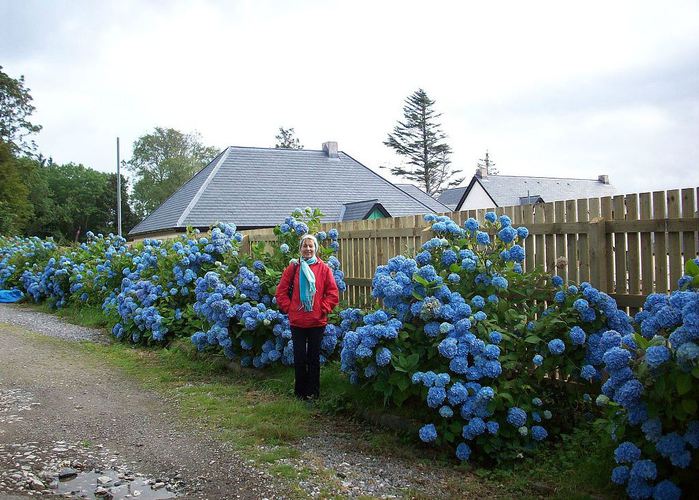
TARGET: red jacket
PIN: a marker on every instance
(326, 298)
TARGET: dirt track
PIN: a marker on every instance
(59, 409)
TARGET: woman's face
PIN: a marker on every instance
(308, 249)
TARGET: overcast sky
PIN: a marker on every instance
(550, 88)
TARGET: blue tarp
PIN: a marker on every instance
(10, 295)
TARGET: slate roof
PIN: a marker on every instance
(451, 197)
(511, 190)
(358, 210)
(259, 187)
(425, 198)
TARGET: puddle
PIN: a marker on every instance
(108, 485)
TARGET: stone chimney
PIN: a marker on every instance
(604, 179)
(482, 172)
(330, 149)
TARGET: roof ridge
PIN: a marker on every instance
(281, 149)
(540, 177)
(390, 183)
(361, 201)
(202, 188)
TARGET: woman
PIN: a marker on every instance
(307, 293)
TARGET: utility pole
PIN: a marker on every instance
(118, 192)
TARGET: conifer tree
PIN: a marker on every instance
(489, 166)
(286, 139)
(420, 140)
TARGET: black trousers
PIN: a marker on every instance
(307, 360)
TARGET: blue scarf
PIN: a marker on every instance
(307, 283)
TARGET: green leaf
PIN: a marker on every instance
(412, 361)
(403, 384)
(695, 372)
(683, 383)
(420, 279)
(533, 339)
(691, 267)
(690, 406)
(507, 396)
(417, 295)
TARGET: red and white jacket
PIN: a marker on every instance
(325, 300)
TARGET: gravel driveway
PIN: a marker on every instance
(60, 414)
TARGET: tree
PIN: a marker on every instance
(421, 141)
(488, 165)
(162, 162)
(286, 139)
(15, 207)
(15, 109)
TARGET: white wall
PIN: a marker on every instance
(477, 198)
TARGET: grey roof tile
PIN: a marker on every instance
(451, 197)
(258, 187)
(506, 190)
(425, 198)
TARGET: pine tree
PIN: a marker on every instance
(420, 140)
(286, 139)
(488, 165)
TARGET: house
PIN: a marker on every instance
(259, 187)
(490, 191)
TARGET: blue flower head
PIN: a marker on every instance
(491, 216)
(627, 453)
(516, 416)
(471, 224)
(556, 347)
(657, 356)
(482, 238)
(428, 433)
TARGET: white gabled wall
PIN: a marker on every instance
(477, 198)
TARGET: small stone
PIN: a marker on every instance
(104, 479)
(67, 473)
(157, 486)
(36, 485)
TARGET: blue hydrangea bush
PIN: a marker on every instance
(154, 302)
(494, 359)
(18, 255)
(237, 305)
(651, 394)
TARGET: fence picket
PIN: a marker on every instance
(673, 238)
(689, 238)
(573, 264)
(659, 245)
(583, 250)
(620, 283)
(561, 251)
(634, 261)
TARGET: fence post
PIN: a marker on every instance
(597, 236)
(245, 245)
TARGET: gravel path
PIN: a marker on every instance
(61, 414)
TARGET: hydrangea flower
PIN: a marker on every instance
(428, 433)
(556, 347)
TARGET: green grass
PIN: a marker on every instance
(89, 316)
(257, 413)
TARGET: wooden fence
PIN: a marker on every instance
(627, 245)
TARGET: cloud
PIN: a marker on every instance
(548, 87)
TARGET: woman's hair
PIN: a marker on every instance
(309, 237)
